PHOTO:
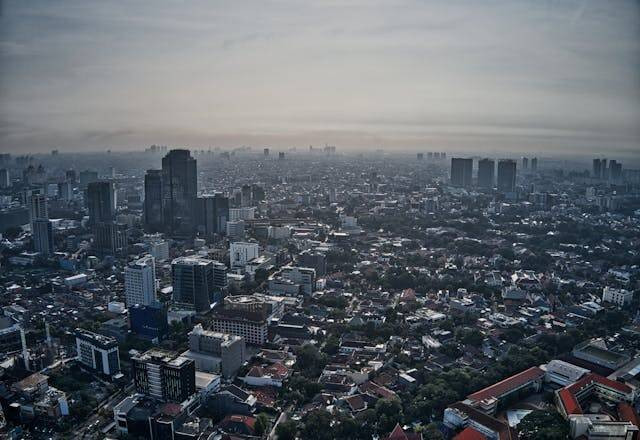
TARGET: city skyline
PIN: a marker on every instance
(544, 77)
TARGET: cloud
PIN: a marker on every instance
(469, 75)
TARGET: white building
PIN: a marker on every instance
(98, 352)
(242, 252)
(619, 297)
(140, 282)
(563, 373)
(159, 249)
(247, 213)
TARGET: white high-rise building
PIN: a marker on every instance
(242, 252)
(140, 282)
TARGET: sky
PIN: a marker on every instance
(545, 76)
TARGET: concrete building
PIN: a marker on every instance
(619, 297)
(164, 375)
(193, 282)
(98, 352)
(461, 172)
(42, 236)
(216, 352)
(140, 282)
(242, 252)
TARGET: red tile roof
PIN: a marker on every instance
(507, 385)
(399, 434)
(592, 378)
(469, 434)
(569, 401)
(626, 413)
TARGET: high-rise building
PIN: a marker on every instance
(265, 152)
(615, 171)
(281, 155)
(486, 172)
(604, 169)
(38, 207)
(179, 190)
(240, 253)
(70, 176)
(314, 260)
(597, 169)
(193, 282)
(212, 213)
(257, 193)
(420, 156)
(140, 282)
(164, 375)
(65, 191)
(98, 352)
(5, 178)
(216, 352)
(235, 230)
(42, 236)
(149, 322)
(246, 195)
(461, 172)
(153, 212)
(246, 316)
(86, 177)
(111, 238)
(534, 164)
(101, 202)
(525, 163)
(506, 175)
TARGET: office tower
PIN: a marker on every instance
(101, 202)
(246, 316)
(179, 190)
(257, 193)
(164, 376)
(193, 282)
(486, 171)
(38, 207)
(216, 352)
(420, 156)
(240, 253)
(430, 155)
(281, 155)
(86, 177)
(265, 152)
(314, 260)
(615, 171)
(153, 213)
(235, 230)
(534, 164)
(140, 282)
(461, 172)
(597, 169)
(219, 278)
(246, 196)
(111, 238)
(506, 175)
(70, 176)
(5, 178)
(98, 352)
(149, 322)
(525, 163)
(212, 213)
(42, 231)
(604, 171)
(65, 191)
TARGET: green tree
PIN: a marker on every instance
(287, 430)
(317, 426)
(543, 425)
(262, 424)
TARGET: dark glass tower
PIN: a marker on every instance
(507, 175)
(101, 202)
(179, 190)
(461, 170)
(486, 172)
(153, 213)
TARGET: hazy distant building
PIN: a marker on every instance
(486, 173)
(461, 172)
(193, 282)
(153, 213)
(534, 164)
(265, 152)
(101, 202)
(86, 177)
(506, 175)
(212, 214)
(140, 282)
(111, 238)
(525, 163)
(70, 176)
(179, 190)
(615, 171)
(597, 169)
(281, 155)
(5, 178)
(38, 207)
(42, 236)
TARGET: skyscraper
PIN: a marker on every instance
(534, 164)
(615, 171)
(38, 207)
(164, 375)
(597, 169)
(111, 237)
(193, 282)
(101, 201)
(507, 175)
(179, 190)
(5, 178)
(486, 173)
(461, 172)
(42, 236)
(153, 213)
(140, 282)
(212, 213)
